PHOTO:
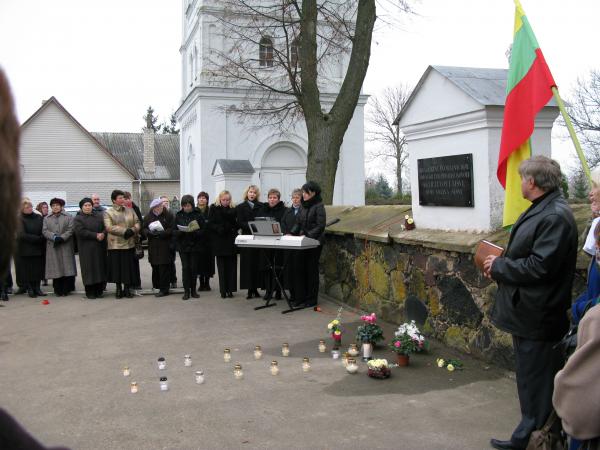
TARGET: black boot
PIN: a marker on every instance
(3, 295)
(127, 291)
(206, 283)
(186, 294)
(162, 293)
(194, 293)
(268, 295)
(37, 290)
(30, 291)
(119, 293)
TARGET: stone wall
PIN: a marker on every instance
(370, 263)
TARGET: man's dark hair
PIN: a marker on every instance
(114, 194)
(544, 171)
(10, 180)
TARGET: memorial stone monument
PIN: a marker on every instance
(453, 124)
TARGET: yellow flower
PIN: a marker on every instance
(410, 221)
(450, 367)
(440, 362)
(335, 322)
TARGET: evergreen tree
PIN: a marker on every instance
(151, 120)
(580, 185)
(170, 128)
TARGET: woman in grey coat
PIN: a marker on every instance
(60, 254)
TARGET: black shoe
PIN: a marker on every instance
(127, 292)
(268, 295)
(186, 294)
(21, 290)
(9, 290)
(99, 295)
(230, 294)
(162, 293)
(39, 292)
(174, 285)
(250, 294)
(4, 296)
(207, 284)
(91, 297)
(193, 293)
(31, 293)
(45, 283)
(119, 293)
(223, 294)
(504, 445)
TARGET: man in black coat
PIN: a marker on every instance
(534, 277)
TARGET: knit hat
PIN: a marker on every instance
(85, 200)
(156, 202)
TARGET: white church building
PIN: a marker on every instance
(219, 152)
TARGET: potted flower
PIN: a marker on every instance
(335, 329)
(378, 368)
(368, 334)
(407, 340)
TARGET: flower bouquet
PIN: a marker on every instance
(407, 340)
(450, 364)
(378, 368)
(335, 329)
(369, 331)
(409, 223)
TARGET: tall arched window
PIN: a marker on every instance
(294, 52)
(265, 52)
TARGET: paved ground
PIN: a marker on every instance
(61, 377)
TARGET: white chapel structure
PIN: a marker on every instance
(219, 152)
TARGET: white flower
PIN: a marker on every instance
(440, 362)
(329, 326)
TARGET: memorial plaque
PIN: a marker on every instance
(446, 181)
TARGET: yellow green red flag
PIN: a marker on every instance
(528, 90)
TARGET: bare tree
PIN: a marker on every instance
(383, 112)
(299, 45)
(584, 110)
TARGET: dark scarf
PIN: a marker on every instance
(313, 201)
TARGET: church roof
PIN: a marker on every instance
(128, 148)
(485, 86)
(233, 166)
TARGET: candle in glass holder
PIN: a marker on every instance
(227, 355)
(134, 387)
(162, 363)
(322, 346)
(345, 357)
(187, 360)
(257, 352)
(238, 373)
(353, 350)
(164, 384)
(305, 364)
(199, 375)
(274, 368)
(352, 367)
(126, 371)
(335, 353)
(285, 349)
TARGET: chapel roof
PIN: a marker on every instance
(128, 148)
(233, 166)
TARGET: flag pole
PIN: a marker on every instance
(563, 111)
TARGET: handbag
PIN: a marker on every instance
(139, 250)
(548, 438)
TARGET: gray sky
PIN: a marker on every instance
(107, 61)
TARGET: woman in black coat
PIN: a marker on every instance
(189, 243)
(288, 222)
(275, 209)
(91, 243)
(311, 223)
(206, 259)
(159, 245)
(247, 211)
(223, 225)
(31, 244)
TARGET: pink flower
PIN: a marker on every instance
(397, 344)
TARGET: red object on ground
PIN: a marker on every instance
(317, 308)
(45, 302)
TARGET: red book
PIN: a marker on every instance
(485, 249)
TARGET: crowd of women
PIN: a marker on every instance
(109, 244)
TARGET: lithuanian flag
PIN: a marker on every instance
(528, 90)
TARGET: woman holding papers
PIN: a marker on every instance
(223, 225)
(206, 259)
(158, 228)
(189, 233)
(122, 225)
(275, 209)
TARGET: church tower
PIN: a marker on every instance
(219, 150)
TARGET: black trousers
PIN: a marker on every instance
(304, 283)
(189, 268)
(536, 365)
(161, 276)
(63, 285)
(227, 269)
(94, 289)
(173, 269)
